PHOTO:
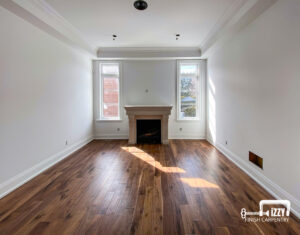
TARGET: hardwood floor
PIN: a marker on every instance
(108, 187)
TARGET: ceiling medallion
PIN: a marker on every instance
(140, 5)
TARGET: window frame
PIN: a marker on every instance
(100, 116)
(199, 87)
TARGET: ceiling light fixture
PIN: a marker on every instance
(140, 5)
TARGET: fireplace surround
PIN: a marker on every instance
(148, 112)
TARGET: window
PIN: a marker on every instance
(109, 90)
(188, 90)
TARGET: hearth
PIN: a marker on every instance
(148, 131)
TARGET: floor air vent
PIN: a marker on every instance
(258, 161)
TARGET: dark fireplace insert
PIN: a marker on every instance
(148, 131)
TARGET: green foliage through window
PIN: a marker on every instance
(190, 112)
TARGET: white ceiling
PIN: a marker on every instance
(97, 20)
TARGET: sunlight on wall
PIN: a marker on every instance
(211, 110)
(151, 161)
(198, 183)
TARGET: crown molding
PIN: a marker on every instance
(149, 49)
(222, 21)
(238, 16)
(40, 14)
(235, 18)
(141, 53)
(147, 58)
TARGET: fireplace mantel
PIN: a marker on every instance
(136, 112)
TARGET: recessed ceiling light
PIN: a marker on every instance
(140, 5)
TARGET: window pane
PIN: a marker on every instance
(110, 84)
(110, 97)
(188, 69)
(110, 110)
(188, 97)
(110, 69)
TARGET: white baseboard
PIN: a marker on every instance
(274, 189)
(111, 137)
(187, 137)
(20, 179)
(125, 137)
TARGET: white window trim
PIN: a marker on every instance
(200, 87)
(99, 93)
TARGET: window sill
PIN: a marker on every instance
(108, 120)
(188, 120)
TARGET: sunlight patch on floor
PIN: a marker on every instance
(198, 183)
(140, 154)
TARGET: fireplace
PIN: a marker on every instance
(158, 114)
(148, 131)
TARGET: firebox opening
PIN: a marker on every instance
(148, 131)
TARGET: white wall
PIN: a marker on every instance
(45, 99)
(159, 77)
(254, 98)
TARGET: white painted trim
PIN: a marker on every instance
(241, 14)
(148, 52)
(97, 96)
(273, 188)
(40, 14)
(187, 137)
(147, 58)
(125, 137)
(45, 17)
(100, 86)
(20, 179)
(111, 137)
(229, 13)
(148, 49)
(201, 90)
(109, 120)
(96, 90)
(178, 85)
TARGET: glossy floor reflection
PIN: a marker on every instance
(108, 187)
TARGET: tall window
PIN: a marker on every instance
(109, 91)
(188, 90)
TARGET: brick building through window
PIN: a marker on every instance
(110, 91)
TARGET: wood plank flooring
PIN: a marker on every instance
(108, 187)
